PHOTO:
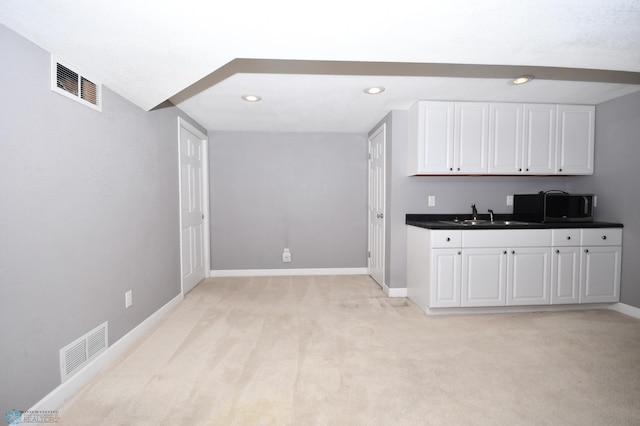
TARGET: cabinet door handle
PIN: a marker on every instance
(560, 170)
(586, 250)
(557, 251)
(569, 237)
(450, 169)
(504, 252)
(448, 239)
(513, 252)
(604, 237)
(459, 252)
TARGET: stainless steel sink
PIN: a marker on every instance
(508, 222)
(481, 222)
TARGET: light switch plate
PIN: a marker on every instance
(432, 200)
(509, 200)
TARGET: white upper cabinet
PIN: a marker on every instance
(431, 136)
(468, 138)
(471, 137)
(505, 138)
(575, 139)
(448, 138)
(539, 139)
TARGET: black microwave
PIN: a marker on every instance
(553, 207)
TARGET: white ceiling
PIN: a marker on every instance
(184, 51)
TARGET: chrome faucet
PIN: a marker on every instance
(474, 212)
(491, 214)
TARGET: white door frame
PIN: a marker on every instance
(382, 129)
(183, 124)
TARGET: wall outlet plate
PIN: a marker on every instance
(128, 298)
(509, 200)
(432, 200)
(286, 256)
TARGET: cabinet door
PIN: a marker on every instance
(505, 138)
(528, 277)
(484, 273)
(575, 139)
(445, 278)
(431, 138)
(539, 139)
(565, 275)
(600, 274)
(471, 137)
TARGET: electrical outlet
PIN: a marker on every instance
(286, 256)
(432, 200)
(509, 200)
(128, 298)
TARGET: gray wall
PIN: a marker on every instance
(303, 191)
(616, 182)
(408, 194)
(89, 211)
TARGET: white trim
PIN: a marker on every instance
(623, 308)
(183, 124)
(286, 272)
(394, 292)
(517, 309)
(66, 390)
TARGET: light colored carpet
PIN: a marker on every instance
(334, 350)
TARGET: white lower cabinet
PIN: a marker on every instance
(484, 275)
(445, 278)
(600, 274)
(492, 268)
(529, 276)
(433, 267)
(500, 275)
(565, 275)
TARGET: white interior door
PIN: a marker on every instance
(194, 241)
(377, 145)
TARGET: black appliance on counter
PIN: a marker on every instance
(553, 206)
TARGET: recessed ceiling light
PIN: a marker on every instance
(251, 98)
(523, 79)
(373, 90)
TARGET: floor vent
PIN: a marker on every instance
(72, 84)
(79, 353)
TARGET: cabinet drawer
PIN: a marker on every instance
(446, 238)
(507, 238)
(565, 237)
(602, 237)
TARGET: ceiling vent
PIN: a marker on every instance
(83, 350)
(72, 84)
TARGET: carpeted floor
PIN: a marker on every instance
(333, 350)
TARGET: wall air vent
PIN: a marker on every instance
(72, 84)
(79, 353)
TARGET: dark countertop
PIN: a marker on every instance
(432, 221)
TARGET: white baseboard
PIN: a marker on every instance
(66, 390)
(287, 272)
(394, 292)
(623, 308)
(517, 309)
